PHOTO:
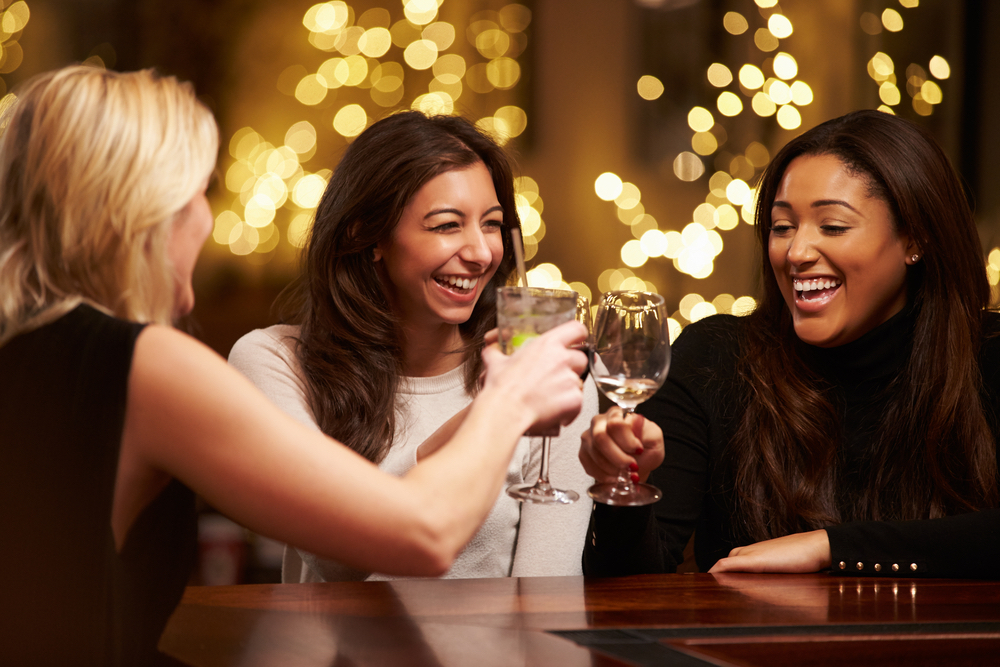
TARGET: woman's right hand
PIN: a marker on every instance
(615, 442)
(543, 375)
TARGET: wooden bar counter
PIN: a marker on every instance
(681, 619)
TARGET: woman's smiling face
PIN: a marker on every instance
(836, 255)
(445, 248)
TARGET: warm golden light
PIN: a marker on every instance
(224, 224)
(301, 137)
(688, 167)
(351, 120)
(763, 105)
(870, 23)
(780, 26)
(311, 90)
(700, 119)
(515, 17)
(779, 91)
(632, 254)
(441, 33)
(882, 64)
(789, 117)
(909, 4)
(511, 120)
(420, 12)
(892, 20)
(15, 18)
(421, 54)
(931, 92)
(608, 186)
(939, 67)
(308, 190)
(734, 23)
(889, 93)
(327, 16)
(719, 75)
(450, 68)
(375, 43)
(629, 197)
(503, 73)
(743, 306)
(802, 94)
(704, 143)
(729, 104)
(738, 192)
(751, 77)
(765, 40)
(649, 87)
(785, 66)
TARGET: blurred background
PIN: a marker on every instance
(639, 126)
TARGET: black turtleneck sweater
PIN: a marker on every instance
(698, 410)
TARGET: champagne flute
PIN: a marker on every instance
(523, 313)
(629, 363)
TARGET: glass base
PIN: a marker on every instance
(632, 495)
(546, 495)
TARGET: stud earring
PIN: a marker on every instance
(914, 258)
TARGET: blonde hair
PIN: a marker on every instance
(94, 168)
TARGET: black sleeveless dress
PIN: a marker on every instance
(68, 597)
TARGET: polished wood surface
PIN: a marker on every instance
(811, 619)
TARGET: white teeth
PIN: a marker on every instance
(815, 284)
(461, 283)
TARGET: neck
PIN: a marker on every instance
(430, 351)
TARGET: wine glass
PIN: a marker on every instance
(523, 313)
(629, 362)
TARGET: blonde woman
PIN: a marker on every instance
(112, 420)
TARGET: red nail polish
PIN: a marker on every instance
(633, 466)
(639, 450)
(635, 477)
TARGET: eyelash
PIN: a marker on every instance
(833, 230)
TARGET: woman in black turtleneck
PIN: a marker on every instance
(850, 421)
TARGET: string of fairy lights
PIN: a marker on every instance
(371, 64)
(13, 19)
(730, 196)
(376, 65)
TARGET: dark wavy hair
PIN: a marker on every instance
(350, 343)
(933, 453)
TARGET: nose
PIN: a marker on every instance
(802, 247)
(476, 249)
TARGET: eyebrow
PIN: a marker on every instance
(455, 211)
(816, 204)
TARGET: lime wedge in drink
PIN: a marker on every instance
(517, 340)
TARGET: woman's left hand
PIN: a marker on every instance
(799, 552)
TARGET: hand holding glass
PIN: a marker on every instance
(523, 313)
(629, 363)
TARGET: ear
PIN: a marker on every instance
(913, 253)
(377, 252)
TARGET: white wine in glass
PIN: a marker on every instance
(629, 362)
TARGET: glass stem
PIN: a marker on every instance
(624, 484)
(543, 473)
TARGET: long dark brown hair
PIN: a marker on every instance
(933, 453)
(350, 343)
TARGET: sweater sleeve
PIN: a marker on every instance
(627, 540)
(550, 537)
(267, 358)
(962, 546)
